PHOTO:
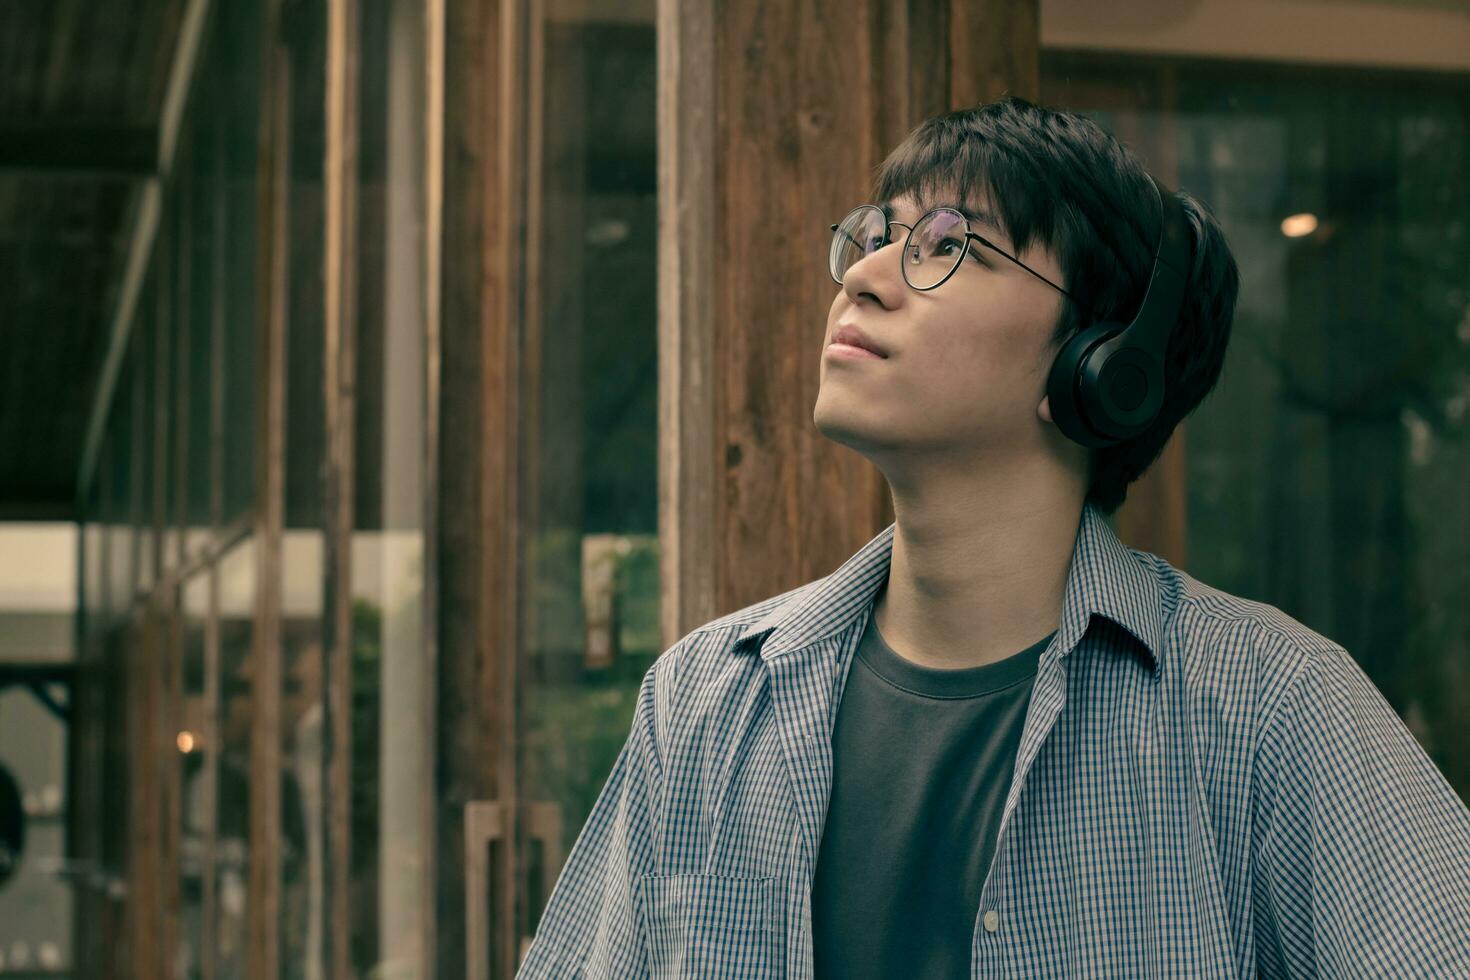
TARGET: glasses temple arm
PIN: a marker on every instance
(982, 240)
(848, 237)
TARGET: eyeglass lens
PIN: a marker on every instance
(930, 253)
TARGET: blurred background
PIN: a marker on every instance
(386, 383)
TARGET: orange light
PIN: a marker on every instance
(186, 742)
(1298, 225)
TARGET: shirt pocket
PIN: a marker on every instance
(708, 925)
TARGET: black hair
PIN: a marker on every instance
(1057, 178)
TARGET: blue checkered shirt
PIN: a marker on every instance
(1204, 788)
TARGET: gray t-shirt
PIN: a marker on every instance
(922, 759)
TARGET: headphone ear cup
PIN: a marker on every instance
(1062, 385)
(1100, 393)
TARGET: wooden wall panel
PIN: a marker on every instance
(795, 143)
(772, 120)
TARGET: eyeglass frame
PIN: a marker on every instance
(964, 252)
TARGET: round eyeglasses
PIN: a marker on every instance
(936, 245)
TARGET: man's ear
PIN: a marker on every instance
(1044, 409)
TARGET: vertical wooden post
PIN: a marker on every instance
(339, 361)
(144, 908)
(689, 468)
(508, 39)
(466, 744)
(263, 961)
(432, 271)
(219, 305)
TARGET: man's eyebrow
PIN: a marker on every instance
(976, 217)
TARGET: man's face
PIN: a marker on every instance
(966, 362)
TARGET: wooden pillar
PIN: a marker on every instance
(272, 255)
(771, 121)
(340, 180)
(479, 490)
(467, 741)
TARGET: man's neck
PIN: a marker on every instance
(976, 579)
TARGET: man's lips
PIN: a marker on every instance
(849, 335)
(849, 351)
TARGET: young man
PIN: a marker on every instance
(996, 742)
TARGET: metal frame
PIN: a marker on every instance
(837, 229)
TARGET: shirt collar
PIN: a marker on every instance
(1106, 578)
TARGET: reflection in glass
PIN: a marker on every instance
(237, 58)
(145, 396)
(1325, 474)
(392, 718)
(121, 548)
(303, 826)
(237, 573)
(171, 320)
(592, 628)
(194, 743)
(202, 179)
(303, 917)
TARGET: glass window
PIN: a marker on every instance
(93, 558)
(1324, 473)
(237, 572)
(196, 747)
(35, 907)
(145, 425)
(592, 429)
(203, 204)
(392, 726)
(172, 322)
(303, 844)
(122, 543)
(236, 55)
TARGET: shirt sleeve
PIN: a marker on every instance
(1361, 847)
(588, 928)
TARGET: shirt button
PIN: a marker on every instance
(992, 920)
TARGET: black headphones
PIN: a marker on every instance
(1107, 383)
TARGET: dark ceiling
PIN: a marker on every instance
(81, 88)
